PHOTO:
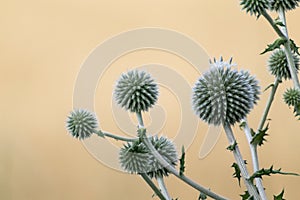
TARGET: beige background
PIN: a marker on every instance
(43, 44)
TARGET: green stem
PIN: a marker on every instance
(116, 137)
(153, 186)
(240, 162)
(288, 51)
(268, 105)
(169, 167)
(254, 156)
(272, 23)
(283, 33)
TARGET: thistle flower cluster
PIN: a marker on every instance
(292, 97)
(285, 5)
(278, 64)
(224, 95)
(81, 124)
(255, 7)
(136, 158)
(136, 91)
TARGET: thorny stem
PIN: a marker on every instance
(160, 180)
(153, 186)
(268, 105)
(170, 168)
(283, 33)
(254, 156)
(116, 137)
(287, 49)
(241, 163)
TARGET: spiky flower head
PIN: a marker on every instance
(81, 124)
(283, 4)
(278, 64)
(167, 150)
(136, 158)
(136, 91)
(255, 7)
(224, 95)
(292, 97)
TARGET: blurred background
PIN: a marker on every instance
(42, 47)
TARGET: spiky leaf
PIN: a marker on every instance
(268, 172)
(259, 138)
(275, 45)
(280, 196)
(294, 47)
(246, 196)
(237, 172)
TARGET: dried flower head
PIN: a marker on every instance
(81, 124)
(136, 91)
(224, 95)
(278, 64)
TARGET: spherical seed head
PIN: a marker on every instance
(285, 5)
(278, 64)
(136, 158)
(255, 7)
(167, 150)
(136, 91)
(81, 124)
(224, 95)
(292, 97)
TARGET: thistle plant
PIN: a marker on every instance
(222, 96)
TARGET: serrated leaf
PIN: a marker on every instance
(271, 85)
(294, 47)
(280, 196)
(274, 45)
(237, 172)
(232, 147)
(297, 111)
(202, 196)
(268, 172)
(246, 196)
(182, 162)
(259, 138)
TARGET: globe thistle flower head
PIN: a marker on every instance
(136, 91)
(136, 158)
(278, 64)
(81, 124)
(255, 7)
(224, 95)
(167, 150)
(285, 5)
(292, 97)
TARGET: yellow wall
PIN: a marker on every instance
(42, 46)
